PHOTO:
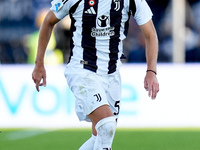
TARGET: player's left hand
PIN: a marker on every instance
(151, 84)
(38, 75)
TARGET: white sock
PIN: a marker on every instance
(105, 133)
(89, 144)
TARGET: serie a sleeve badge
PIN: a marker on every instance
(57, 5)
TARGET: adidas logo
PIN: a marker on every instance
(90, 11)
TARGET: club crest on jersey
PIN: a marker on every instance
(117, 5)
(91, 2)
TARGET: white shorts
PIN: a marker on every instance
(93, 90)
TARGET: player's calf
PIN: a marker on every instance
(105, 133)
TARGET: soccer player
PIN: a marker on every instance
(97, 30)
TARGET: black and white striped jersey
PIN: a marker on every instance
(98, 28)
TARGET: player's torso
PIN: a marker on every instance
(98, 28)
(100, 19)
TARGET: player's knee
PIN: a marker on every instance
(106, 126)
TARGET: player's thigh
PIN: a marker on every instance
(99, 113)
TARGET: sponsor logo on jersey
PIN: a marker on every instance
(103, 21)
(109, 31)
(90, 11)
(104, 28)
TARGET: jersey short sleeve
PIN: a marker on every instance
(59, 7)
(143, 12)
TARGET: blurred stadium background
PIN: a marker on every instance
(46, 120)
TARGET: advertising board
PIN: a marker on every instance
(177, 103)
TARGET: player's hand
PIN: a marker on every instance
(151, 84)
(38, 75)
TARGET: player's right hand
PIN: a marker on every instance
(38, 75)
(151, 84)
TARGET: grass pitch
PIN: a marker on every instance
(125, 139)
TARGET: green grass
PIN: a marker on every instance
(125, 139)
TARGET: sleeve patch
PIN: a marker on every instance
(57, 5)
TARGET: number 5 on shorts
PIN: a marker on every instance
(118, 107)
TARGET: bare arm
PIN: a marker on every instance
(39, 72)
(150, 82)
